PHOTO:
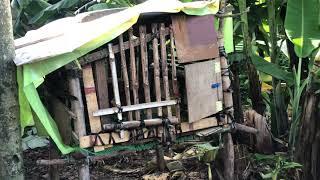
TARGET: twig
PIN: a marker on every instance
(232, 15)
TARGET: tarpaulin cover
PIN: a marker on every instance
(58, 43)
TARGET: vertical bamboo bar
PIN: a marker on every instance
(125, 74)
(156, 66)
(174, 74)
(164, 65)
(144, 63)
(114, 79)
(227, 100)
(134, 80)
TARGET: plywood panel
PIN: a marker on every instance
(195, 37)
(202, 98)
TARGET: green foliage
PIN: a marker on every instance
(271, 69)
(273, 166)
(302, 25)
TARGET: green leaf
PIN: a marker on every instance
(99, 6)
(44, 15)
(302, 25)
(271, 69)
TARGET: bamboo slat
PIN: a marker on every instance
(125, 74)
(155, 47)
(144, 64)
(164, 66)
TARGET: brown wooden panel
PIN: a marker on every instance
(195, 37)
(198, 125)
(91, 98)
(202, 98)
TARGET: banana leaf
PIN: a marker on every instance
(272, 69)
(302, 25)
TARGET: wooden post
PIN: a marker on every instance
(174, 73)
(144, 63)
(228, 102)
(125, 74)
(77, 107)
(156, 67)
(164, 65)
(134, 79)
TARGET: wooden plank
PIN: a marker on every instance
(198, 125)
(155, 47)
(125, 75)
(202, 98)
(89, 141)
(194, 43)
(144, 64)
(91, 98)
(101, 75)
(164, 66)
(174, 74)
(134, 79)
(100, 54)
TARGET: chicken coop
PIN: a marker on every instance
(159, 78)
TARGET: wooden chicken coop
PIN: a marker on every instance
(159, 80)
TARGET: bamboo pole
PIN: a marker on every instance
(80, 127)
(134, 107)
(115, 80)
(174, 74)
(134, 80)
(227, 100)
(155, 46)
(137, 124)
(164, 65)
(125, 74)
(144, 64)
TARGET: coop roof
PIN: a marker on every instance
(72, 37)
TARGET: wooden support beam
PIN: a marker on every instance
(144, 63)
(134, 79)
(156, 68)
(164, 65)
(91, 98)
(125, 74)
(134, 107)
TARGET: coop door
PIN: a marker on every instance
(204, 91)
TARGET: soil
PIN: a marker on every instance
(193, 169)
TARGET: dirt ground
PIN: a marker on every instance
(193, 169)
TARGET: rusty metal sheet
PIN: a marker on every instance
(195, 37)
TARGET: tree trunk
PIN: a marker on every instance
(10, 149)
(308, 145)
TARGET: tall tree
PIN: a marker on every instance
(10, 137)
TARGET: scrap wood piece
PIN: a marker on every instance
(91, 98)
(123, 171)
(263, 139)
(201, 124)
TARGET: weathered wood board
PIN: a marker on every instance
(202, 98)
(195, 37)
